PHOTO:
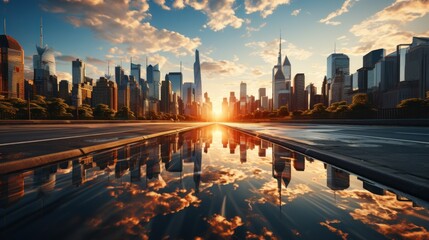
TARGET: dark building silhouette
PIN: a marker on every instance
(11, 68)
(336, 178)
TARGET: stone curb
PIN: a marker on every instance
(403, 182)
(27, 163)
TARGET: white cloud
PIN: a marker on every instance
(268, 51)
(296, 12)
(64, 76)
(123, 22)
(178, 4)
(343, 37)
(344, 9)
(162, 4)
(265, 7)
(250, 29)
(385, 28)
(221, 13)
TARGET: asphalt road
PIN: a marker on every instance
(404, 149)
(22, 141)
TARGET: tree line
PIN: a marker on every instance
(360, 107)
(57, 109)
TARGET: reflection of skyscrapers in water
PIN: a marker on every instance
(153, 165)
(299, 161)
(337, 179)
(135, 162)
(262, 151)
(281, 166)
(233, 141)
(225, 137)
(124, 155)
(197, 173)
(243, 148)
(45, 177)
(78, 173)
(11, 189)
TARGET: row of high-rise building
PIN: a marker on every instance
(140, 95)
(386, 78)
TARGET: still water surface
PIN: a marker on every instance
(211, 183)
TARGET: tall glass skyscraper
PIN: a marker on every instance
(153, 76)
(337, 62)
(197, 78)
(78, 71)
(136, 71)
(176, 79)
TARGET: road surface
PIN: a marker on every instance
(404, 149)
(22, 141)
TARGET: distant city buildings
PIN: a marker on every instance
(11, 68)
(197, 78)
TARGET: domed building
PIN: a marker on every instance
(45, 78)
(11, 68)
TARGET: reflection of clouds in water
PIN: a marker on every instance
(223, 227)
(270, 193)
(266, 234)
(383, 212)
(211, 175)
(143, 205)
(333, 229)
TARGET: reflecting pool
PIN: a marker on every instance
(209, 183)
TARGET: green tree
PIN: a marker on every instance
(283, 111)
(360, 107)
(102, 111)
(38, 112)
(7, 111)
(334, 106)
(40, 100)
(414, 107)
(125, 114)
(85, 112)
(318, 111)
(57, 109)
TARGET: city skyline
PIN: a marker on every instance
(237, 40)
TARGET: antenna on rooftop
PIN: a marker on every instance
(180, 66)
(41, 32)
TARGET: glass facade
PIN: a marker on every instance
(176, 79)
(337, 62)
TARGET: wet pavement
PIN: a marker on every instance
(211, 183)
(403, 149)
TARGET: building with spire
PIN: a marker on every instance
(281, 81)
(45, 79)
(197, 78)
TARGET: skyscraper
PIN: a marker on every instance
(119, 75)
(197, 78)
(243, 97)
(153, 76)
(176, 79)
(105, 92)
(135, 71)
(166, 97)
(298, 92)
(280, 81)
(336, 63)
(44, 69)
(11, 68)
(78, 71)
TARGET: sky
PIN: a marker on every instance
(237, 39)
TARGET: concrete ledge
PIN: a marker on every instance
(417, 122)
(23, 122)
(401, 181)
(28, 163)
